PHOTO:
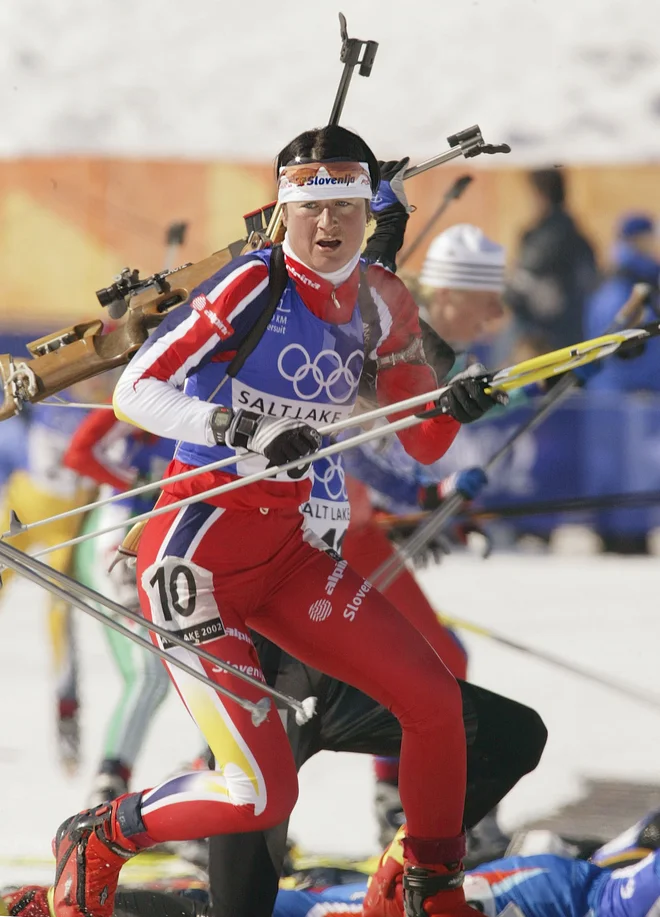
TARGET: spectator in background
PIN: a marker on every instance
(624, 429)
(555, 271)
(635, 259)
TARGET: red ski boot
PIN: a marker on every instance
(399, 889)
(90, 850)
(436, 892)
(28, 901)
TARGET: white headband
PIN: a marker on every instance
(314, 181)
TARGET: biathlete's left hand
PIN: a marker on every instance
(391, 193)
(466, 399)
(468, 483)
(280, 439)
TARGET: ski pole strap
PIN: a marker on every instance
(277, 281)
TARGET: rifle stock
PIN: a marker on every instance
(83, 350)
(65, 357)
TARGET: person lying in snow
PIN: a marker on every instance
(544, 885)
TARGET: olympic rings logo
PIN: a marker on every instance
(333, 478)
(309, 379)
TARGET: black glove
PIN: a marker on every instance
(280, 440)
(432, 552)
(631, 352)
(466, 398)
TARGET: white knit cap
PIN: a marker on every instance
(463, 258)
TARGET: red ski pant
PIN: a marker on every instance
(207, 574)
(366, 547)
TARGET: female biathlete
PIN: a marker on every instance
(210, 570)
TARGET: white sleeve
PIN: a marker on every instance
(150, 392)
(161, 408)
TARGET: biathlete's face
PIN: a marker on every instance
(326, 234)
(462, 316)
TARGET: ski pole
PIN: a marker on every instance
(510, 378)
(536, 508)
(452, 194)
(390, 569)
(507, 379)
(619, 687)
(259, 710)
(17, 526)
(237, 483)
(570, 505)
(74, 592)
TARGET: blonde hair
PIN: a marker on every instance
(422, 293)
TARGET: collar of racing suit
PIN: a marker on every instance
(326, 301)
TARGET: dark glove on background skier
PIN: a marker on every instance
(433, 551)
(466, 399)
(280, 440)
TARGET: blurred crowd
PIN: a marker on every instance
(558, 292)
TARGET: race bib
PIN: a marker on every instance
(181, 599)
(327, 520)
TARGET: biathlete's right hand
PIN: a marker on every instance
(279, 439)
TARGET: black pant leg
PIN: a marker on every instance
(353, 721)
(508, 741)
(244, 869)
(505, 740)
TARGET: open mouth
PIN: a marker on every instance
(329, 245)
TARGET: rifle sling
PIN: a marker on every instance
(277, 281)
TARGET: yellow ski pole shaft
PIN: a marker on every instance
(524, 373)
(626, 690)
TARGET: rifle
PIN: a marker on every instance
(83, 350)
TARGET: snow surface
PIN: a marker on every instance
(598, 612)
(561, 80)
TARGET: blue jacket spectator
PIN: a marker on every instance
(635, 260)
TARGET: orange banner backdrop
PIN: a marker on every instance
(67, 226)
